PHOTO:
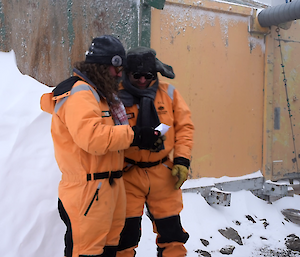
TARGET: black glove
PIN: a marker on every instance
(145, 137)
(159, 144)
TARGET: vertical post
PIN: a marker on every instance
(145, 20)
(268, 107)
(145, 25)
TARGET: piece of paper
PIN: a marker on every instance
(163, 128)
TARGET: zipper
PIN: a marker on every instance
(95, 196)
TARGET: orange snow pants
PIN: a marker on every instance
(154, 187)
(94, 214)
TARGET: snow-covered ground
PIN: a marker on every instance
(29, 220)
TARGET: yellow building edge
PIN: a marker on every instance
(216, 6)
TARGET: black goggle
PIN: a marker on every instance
(138, 75)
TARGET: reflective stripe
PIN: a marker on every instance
(83, 87)
(86, 88)
(171, 89)
(59, 104)
(166, 166)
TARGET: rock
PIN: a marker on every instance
(292, 215)
(267, 252)
(250, 218)
(293, 242)
(227, 249)
(204, 242)
(203, 253)
(232, 234)
(237, 222)
(265, 223)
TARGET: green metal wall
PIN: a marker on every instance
(48, 36)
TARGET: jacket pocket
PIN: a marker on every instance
(94, 197)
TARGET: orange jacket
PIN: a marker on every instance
(85, 138)
(172, 111)
(86, 141)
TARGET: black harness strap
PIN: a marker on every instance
(145, 164)
(104, 175)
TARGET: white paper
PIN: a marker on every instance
(163, 128)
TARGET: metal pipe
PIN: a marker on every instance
(279, 14)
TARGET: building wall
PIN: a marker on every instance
(49, 36)
(282, 104)
(219, 69)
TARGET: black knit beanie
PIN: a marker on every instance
(106, 50)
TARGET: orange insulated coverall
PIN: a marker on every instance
(89, 150)
(148, 179)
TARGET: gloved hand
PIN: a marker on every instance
(145, 137)
(181, 172)
(158, 145)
